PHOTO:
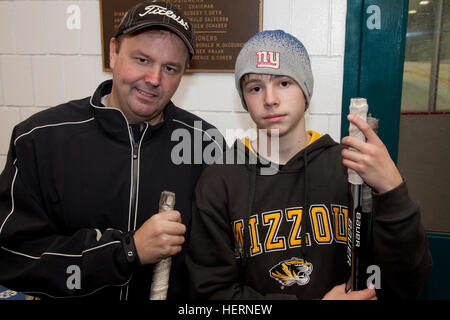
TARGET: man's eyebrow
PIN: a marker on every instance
(146, 56)
(140, 53)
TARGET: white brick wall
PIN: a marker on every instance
(48, 80)
(17, 80)
(43, 63)
(7, 44)
(28, 27)
(9, 116)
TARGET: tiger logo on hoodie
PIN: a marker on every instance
(293, 271)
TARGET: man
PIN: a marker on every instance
(80, 190)
(281, 233)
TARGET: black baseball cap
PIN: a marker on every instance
(158, 13)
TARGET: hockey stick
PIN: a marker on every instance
(365, 249)
(161, 273)
(357, 106)
(362, 254)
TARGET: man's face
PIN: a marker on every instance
(274, 102)
(146, 73)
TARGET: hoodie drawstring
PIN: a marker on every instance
(251, 197)
(305, 223)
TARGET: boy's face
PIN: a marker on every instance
(274, 102)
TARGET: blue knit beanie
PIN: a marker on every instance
(275, 52)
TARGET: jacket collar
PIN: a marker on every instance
(113, 120)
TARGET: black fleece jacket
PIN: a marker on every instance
(76, 181)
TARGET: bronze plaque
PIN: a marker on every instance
(221, 29)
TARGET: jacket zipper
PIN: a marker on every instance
(135, 155)
(135, 147)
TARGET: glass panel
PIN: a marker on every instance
(424, 155)
(443, 94)
(420, 50)
(418, 56)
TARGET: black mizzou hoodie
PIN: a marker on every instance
(283, 236)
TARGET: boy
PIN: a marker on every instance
(283, 236)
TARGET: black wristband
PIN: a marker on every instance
(130, 248)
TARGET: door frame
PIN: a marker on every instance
(373, 63)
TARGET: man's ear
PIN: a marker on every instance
(112, 52)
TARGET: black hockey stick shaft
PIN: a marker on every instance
(357, 106)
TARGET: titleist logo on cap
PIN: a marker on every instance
(154, 9)
(268, 59)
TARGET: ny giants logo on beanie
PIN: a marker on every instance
(154, 9)
(268, 59)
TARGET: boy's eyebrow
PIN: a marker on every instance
(249, 81)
